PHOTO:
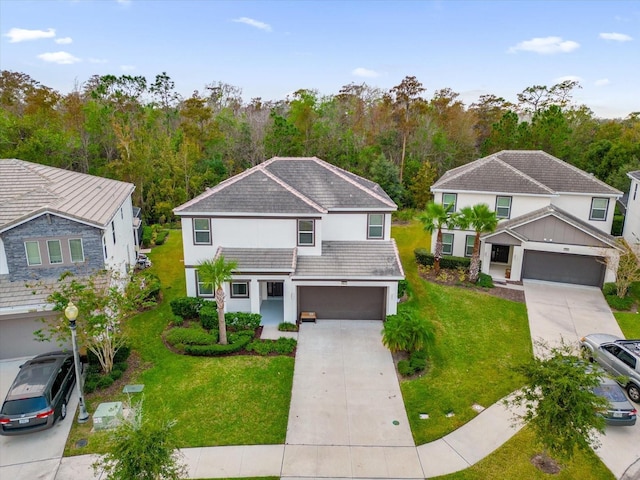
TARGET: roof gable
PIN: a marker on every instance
(30, 188)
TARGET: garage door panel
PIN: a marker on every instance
(343, 303)
(563, 267)
(17, 339)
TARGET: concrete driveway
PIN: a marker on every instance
(569, 312)
(35, 455)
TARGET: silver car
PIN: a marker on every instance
(619, 357)
(620, 411)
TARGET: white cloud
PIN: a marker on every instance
(617, 37)
(254, 23)
(64, 40)
(127, 68)
(61, 58)
(97, 60)
(546, 45)
(602, 82)
(568, 78)
(22, 35)
(365, 72)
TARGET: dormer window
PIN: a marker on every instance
(375, 228)
(599, 207)
(306, 233)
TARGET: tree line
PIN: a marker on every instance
(173, 148)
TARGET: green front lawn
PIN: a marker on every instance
(240, 400)
(478, 339)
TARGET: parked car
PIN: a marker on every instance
(39, 394)
(620, 412)
(619, 357)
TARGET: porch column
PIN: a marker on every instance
(485, 257)
(255, 295)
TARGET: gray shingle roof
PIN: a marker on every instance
(522, 172)
(261, 259)
(635, 175)
(27, 189)
(510, 225)
(352, 260)
(296, 185)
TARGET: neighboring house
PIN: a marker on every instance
(307, 237)
(555, 219)
(631, 232)
(53, 221)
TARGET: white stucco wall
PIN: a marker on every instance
(631, 232)
(580, 206)
(121, 254)
(350, 226)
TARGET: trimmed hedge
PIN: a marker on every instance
(191, 336)
(618, 303)
(187, 307)
(484, 280)
(236, 343)
(609, 288)
(402, 287)
(281, 346)
(242, 320)
(209, 316)
(423, 257)
(161, 236)
(147, 236)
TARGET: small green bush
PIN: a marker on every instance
(402, 287)
(287, 327)
(213, 350)
(423, 257)
(242, 320)
(418, 360)
(191, 336)
(161, 236)
(122, 354)
(177, 321)
(618, 303)
(484, 281)
(209, 316)
(285, 346)
(187, 307)
(406, 332)
(147, 236)
(122, 366)
(404, 368)
(105, 381)
(609, 288)
(261, 347)
(90, 384)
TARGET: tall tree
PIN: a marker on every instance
(434, 218)
(481, 219)
(217, 272)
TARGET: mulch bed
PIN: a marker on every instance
(545, 463)
(135, 365)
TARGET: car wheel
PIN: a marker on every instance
(63, 410)
(634, 392)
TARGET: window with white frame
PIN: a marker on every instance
(33, 253)
(55, 251)
(468, 245)
(306, 233)
(449, 201)
(376, 225)
(77, 250)
(599, 207)
(205, 289)
(201, 231)
(447, 243)
(503, 207)
(239, 289)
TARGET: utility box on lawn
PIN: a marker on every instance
(107, 415)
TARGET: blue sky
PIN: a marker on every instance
(272, 48)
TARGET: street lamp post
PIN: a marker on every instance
(71, 312)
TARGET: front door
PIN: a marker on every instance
(275, 289)
(500, 253)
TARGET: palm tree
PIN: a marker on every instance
(217, 272)
(481, 219)
(434, 218)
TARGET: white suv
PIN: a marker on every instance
(619, 357)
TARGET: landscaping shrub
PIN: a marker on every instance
(404, 368)
(161, 236)
(235, 345)
(418, 360)
(261, 347)
(209, 316)
(618, 303)
(406, 332)
(285, 346)
(405, 215)
(191, 336)
(187, 307)
(423, 257)
(609, 288)
(402, 287)
(145, 289)
(484, 281)
(147, 236)
(177, 321)
(242, 320)
(287, 327)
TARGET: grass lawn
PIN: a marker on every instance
(512, 460)
(240, 400)
(478, 339)
(630, 322)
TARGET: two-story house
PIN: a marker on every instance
(52, 221)
(307, 237)
(555, 219)
(631, 232)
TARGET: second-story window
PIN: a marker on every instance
(449, 201)
(113, 231)
(33, 253)
(599, 207)
(376, 225)
(503, 207)
(55, 252)
(76, 249)
(201, 231)
(306, 233)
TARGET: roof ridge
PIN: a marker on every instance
(341, 173)
(522, 174)
(295, 192)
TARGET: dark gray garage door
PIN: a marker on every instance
(563, 267)
(343, 303)
(17, 339)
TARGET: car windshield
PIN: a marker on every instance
(24, 405)
(611, 392)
